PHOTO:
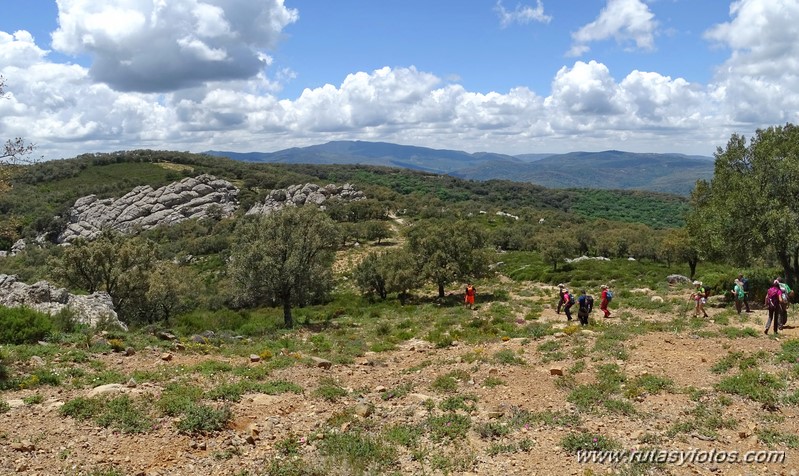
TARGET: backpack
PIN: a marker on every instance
(773, 298)
(739, 292)
(609, 295)
(571, 299)
(589, 303)
(745, 281)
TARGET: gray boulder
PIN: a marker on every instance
(143, 207)
(677, 278)
(91, 310)
(303, 194)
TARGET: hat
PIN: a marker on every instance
(697, 283)
(604, 286)
(776, 282)
(561, 285)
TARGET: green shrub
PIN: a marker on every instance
(329, 390)
(20, 325)
(124, 414)
(508, 357)
(450, 426)
(202, 419)
(82, 408)
(574, 442)
(753, 384)
(178, 398)
(362, 452)
(4, 407)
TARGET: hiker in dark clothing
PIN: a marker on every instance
(745, 281)
(586, 304)
(561, 302)
(568, 300)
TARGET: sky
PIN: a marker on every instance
(504, 76)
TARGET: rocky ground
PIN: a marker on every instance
(36, 439)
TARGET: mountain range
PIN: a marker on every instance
(611, 169)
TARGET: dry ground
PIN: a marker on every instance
(62, 445)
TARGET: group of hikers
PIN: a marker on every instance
(777, 300)
(584, 302)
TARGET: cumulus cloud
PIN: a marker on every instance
(623, 20)
(160, 46)
(759, 80)
(522, 14)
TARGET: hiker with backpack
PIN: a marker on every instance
(773, 302)
(586, 304)
(738, 294)
(468, 300)
(605, 298)
(743, 279)
(786, 294)
(561, 302)
(568, 300)
(700, 297)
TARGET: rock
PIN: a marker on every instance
(656, 299)
(36, 361)
(363, 410)
(166, 357)
(254, 358)
(556, 371)
(198, 339)
(143, 208)
(166, 336)
(90, 310)
(677, 278)
(560, 335)
(322, 363)
(380, 389)
(129, 351)
(496, 413)
(106, 389)
(304, 194)
(16, 403)
(131, 383)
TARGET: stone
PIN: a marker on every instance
(254, 358)
(131, 383)
(556, 371)
(25, 446)
(37, 361)
(129, 351)
(166, 356)
(166, 336)
(106, 389)
(322, 363)
(677, 278)
(656, 299)
(363, 410)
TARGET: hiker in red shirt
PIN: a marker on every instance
(470, 292)
(603, 303)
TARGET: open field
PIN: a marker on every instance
(425, 388)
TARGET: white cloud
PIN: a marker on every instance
(522, 14)
(758, 82)
(623, 20)
(159, 46)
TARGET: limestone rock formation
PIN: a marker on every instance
(143, 208)
(44, 297)
(309, 193)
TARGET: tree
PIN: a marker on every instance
(556, 245)
(388, 272)
(171, 289)
(112, 263)
(284, 258)
(376, 230)
(749, 209)
(13, 151)
(677, 245)
(448, 251)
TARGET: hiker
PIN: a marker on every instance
(700, 296)
(786, 295)
(586, 305)
(469, 299)
(604, 299)
(745, 282)
(568, 301)
(561, 302)
(773, 303)
(738, 294)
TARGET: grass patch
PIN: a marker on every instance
(491, 382)
(703, 419)
(329, 390)
(773, 438)
(574, 442)
(508, 357)
(753, 384)
(450, 426)
(362, 452)
(203, 419)
(466, 403)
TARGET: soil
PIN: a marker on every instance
(35, 439)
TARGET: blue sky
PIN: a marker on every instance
(528, 76)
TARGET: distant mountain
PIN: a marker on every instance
(612, 169)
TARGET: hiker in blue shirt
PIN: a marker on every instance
(586, 304)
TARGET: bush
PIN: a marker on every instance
(201, 419)
(21, 325)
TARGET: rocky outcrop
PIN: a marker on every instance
(309, 193)
(44, 297)
(144, 208)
